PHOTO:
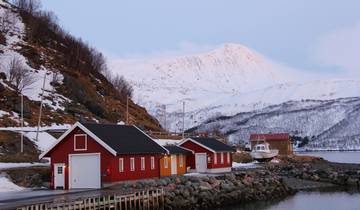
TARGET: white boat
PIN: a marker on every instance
(261, 152)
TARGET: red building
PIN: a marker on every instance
(279, 141)
(94, 155)
(209, 155)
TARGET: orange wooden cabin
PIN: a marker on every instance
(174, 163)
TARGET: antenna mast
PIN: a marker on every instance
(183, 129)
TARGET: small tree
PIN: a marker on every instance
(122, 86)
(19, 75)
(30, 6)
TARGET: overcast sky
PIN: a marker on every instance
(321, 35)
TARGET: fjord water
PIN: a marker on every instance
(315, 200)
(336, 156)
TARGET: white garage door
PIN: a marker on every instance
(84, 171)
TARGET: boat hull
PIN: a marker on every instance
(264, 156)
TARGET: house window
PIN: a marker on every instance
(59, 170)
(142, 163)
(121, 164)
(228, 157)
(152, 163)
(222, 158)
(80, 142)
(166, 164)
(132, 164)
(215, 158)
(181, 160)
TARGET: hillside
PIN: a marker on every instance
(75, 85)
(329, 124)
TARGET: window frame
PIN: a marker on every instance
(121, 165)
(166, 162)
(181, 160)
(152, 162)
(132, 164)
(222, 158)
(142, 163)
(86, 140)
(215, 158)
(228, 157)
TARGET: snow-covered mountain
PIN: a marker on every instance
(223, 82)
(329, 124)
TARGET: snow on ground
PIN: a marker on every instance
(44, 142)
(43, 128)
(164, 142)
(7, 186)
(20, 165)
(14, 37)
(45, 139)
(245, 165)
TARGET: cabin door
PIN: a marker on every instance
(173, 165)
(200, 162)
(59, 176)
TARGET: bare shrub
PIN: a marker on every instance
(30, 6)
(19, 75)
(122, 86)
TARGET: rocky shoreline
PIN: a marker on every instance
(206, 192)
(271, 181)
(319, 170)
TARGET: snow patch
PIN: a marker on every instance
(20, 165)
(7, 186)
(245, 165)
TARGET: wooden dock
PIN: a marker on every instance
(141, 200)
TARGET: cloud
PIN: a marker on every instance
(340, 49)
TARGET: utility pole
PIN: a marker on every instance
(22, 124)
(41, 105)
(183, 129)
(127, 110)
(165, 117)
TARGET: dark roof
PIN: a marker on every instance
(270, 136)
(125, 139)
(173, 149)
(213, 144)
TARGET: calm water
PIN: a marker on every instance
(341, 157)
(315, 200)
(309, 201)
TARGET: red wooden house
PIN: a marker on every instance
(94, 155)
(209, 155)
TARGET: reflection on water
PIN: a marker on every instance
(334, 156)
(308, 201)
(314, 200)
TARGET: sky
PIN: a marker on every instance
(320, 36)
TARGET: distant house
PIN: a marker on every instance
(279, 141)
(94, 155)
(175, 162)
(209, 155)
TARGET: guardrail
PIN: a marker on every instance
(142, 200)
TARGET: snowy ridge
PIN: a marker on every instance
(223, 82)
(330, 124)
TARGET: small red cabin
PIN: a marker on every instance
(94, 155)
(209, 155)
